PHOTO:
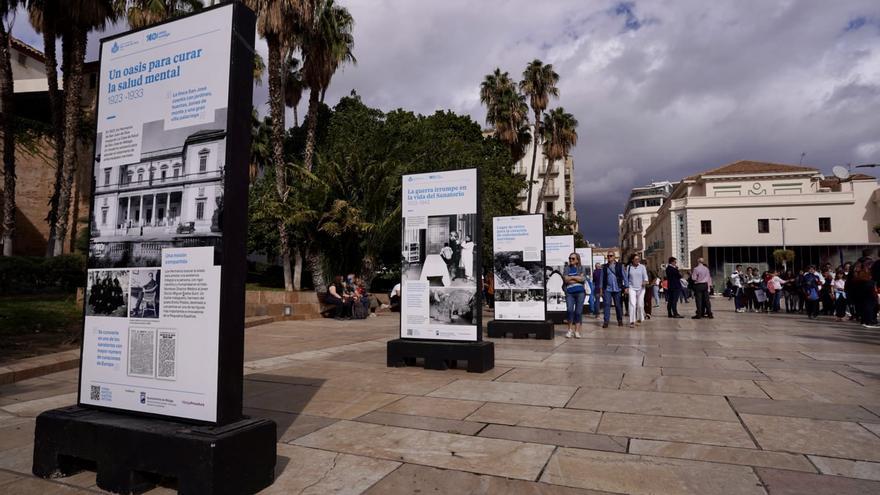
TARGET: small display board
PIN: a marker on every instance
(557, 247)
(164, 301)
(518, 243)
(586, 259)
(441, 269)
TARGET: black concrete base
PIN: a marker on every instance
(132, 453)
(480, 356)
(557, 317)
(520, 329)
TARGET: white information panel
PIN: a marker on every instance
(518, 260)
(557, 247)
(586, 259)
(440, 256)
(153, 291)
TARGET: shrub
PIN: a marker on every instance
(24, 274)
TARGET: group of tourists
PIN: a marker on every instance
(350, 298)
(848, 292)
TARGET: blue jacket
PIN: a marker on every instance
(673, 278)
(622, 282)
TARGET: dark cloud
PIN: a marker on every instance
(661, 89)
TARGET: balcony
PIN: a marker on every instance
(131, 184)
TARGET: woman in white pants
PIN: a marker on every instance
(638, 279)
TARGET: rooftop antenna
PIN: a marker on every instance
(803, 154)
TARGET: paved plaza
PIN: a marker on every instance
(742, 404)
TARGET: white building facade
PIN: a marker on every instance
(733, 215)
(559, 195)
(641, 209)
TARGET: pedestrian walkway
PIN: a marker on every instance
(742, 404)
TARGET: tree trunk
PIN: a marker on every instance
(542, 191)
(72, 119)
(295, 117)
(297, 268)
(56, 105)
(276, 109)
(312, 118)
(368, 269)
(534, 157)
(8, 136)
(317, 268)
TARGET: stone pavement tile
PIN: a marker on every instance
(253, 386)
(821, 392)
(781, 482)
(19, 459)
(867, 378)
(579, 440)
(515, 393)
(873, 427)
(331, 402)
(434, 407)
(797, 364)
(653, 403)
(645, 475)
(36, 486)
(452, 374)
(692, 385)
(410, 479)
(702, 431)
(6, 477)
(34, 388)
(715, 373)
(775, 352)
(725, 455)
(502, 352)
(814, 377)
(32, 408)
(845, 357)
(869, 368)
(479, 455)
(538, 417)
(290, 426)
(567, 376)
(849, 469)
(698, 362)
(802, 409)
(422, 423)
(596, 359)
(813, 436)
(316, 472)
(512, 363)
(394, 384)
(16, 435)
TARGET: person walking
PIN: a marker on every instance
(839, 291)
(673, 288)
(637, 279)
(812, 287)
(865, 277)
(595, 300)
(736, 282)
(656, 289)
(702, 280)
(613, 284)
(574, 278)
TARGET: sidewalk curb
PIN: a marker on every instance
(22, 369)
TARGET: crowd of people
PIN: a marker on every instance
(350, 298)
(847, 292)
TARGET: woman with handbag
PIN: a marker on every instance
(812, 287)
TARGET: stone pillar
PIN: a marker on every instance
(128, 216)
(167, 207)
(153, 219)
(141, 212)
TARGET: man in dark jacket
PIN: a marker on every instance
(612, 285)
(673, 287)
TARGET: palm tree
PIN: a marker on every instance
(560, 135)
(143, 13)
(81, 16)
(539, 84)
(293, 85)
(281, 23)
(45, 19)
(506, 111)
(328, 44)
(7, 131)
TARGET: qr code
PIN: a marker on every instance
(95, 392)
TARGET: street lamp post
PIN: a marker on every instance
(782, 221)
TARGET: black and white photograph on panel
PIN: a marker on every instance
(171, 196)
(145, 287)
(107, 293)
(452, 306)
(512, 272)
(444, 253)
(555, 293)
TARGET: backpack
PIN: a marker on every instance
(862, 270)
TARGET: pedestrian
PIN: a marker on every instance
(866, 276)
(637, 279)
(595, 300)
(702, 280)
(673, 281)
(736, 285)
(839, 291)
(613, 284)
(812, 287)
(775, 284)
(574, 278)
(656, 289)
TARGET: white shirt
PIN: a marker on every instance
(396, 290)
(637, 276)
(736, 280)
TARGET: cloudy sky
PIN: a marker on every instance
(661, 89)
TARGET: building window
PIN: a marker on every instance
(107, 177)
(200, 210)
(104, 216)
(176, 172)
(140, 175)
(706, 227)
(763, 225)
(203, 161)
(548, 208)
(164, 174)
(824, 224)
(128, 176)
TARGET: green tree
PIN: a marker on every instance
(7, 127)
(506, 111)
(294, 85)
(143, 13)
(560, 135)
(539, 84)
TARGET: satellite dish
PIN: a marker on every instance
(840, 172)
